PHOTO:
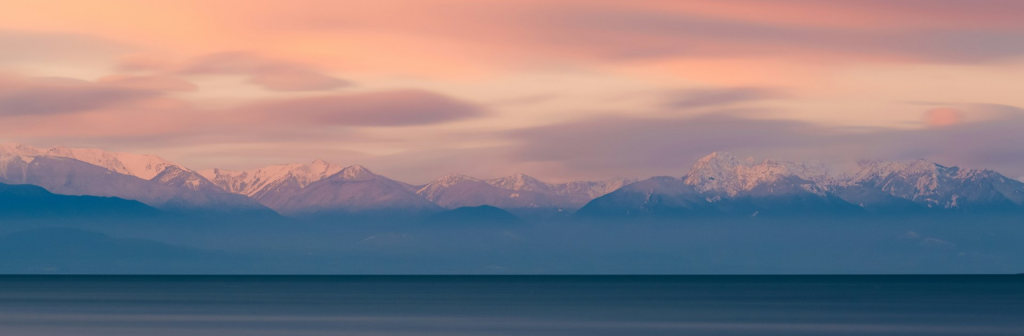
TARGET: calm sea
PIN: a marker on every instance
(511, 305)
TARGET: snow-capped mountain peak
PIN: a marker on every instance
(18, 149)
(932, 184)
(520, 182)
(723, 172)
(921, 181)
(717, 161)
(142, 166)
(718, 171)
(356, 172)
(252, 182)
(188, 179)
(515, 193)
(923, 173)
(71, 171)
(450, 180)
(435, 188)
(591, 189)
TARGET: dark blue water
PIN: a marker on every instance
(512, 305)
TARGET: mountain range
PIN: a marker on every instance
(318, 189)
(144, 178)
(520, 194)
(720, 183)
(716, 185)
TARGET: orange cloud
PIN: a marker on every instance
(943, 116)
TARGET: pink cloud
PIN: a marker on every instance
(876, 30)
(943, 116)
(688, 99)
(296, 80)
(46, 96)
(274, 75)
(155, 83)
(384, 108)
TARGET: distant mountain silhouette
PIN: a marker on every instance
(478, 215)
(29, 201)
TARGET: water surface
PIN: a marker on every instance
(511, 305)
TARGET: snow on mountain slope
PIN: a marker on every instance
(718, 176)
(436, 190)
(723, 173)
(353, 191)
(259, 181)
(592, 189)
(173, 189)
(178, 177)
(577, 190)
(674, 198)
(657, 196)
(521, 182)
(142, 166)
(455, 191)
(518, 191)
(938, 186)
(146, 167)
(732, 185)
(357, 173)
(268, 184)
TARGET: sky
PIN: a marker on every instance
(557, 89)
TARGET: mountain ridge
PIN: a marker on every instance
(173, 189)
(257, 181)
(717, 183)
(721, 182)
(145, 167)
(352, 192)
(520, 194)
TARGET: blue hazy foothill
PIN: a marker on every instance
(33, 202)
(479, 215)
